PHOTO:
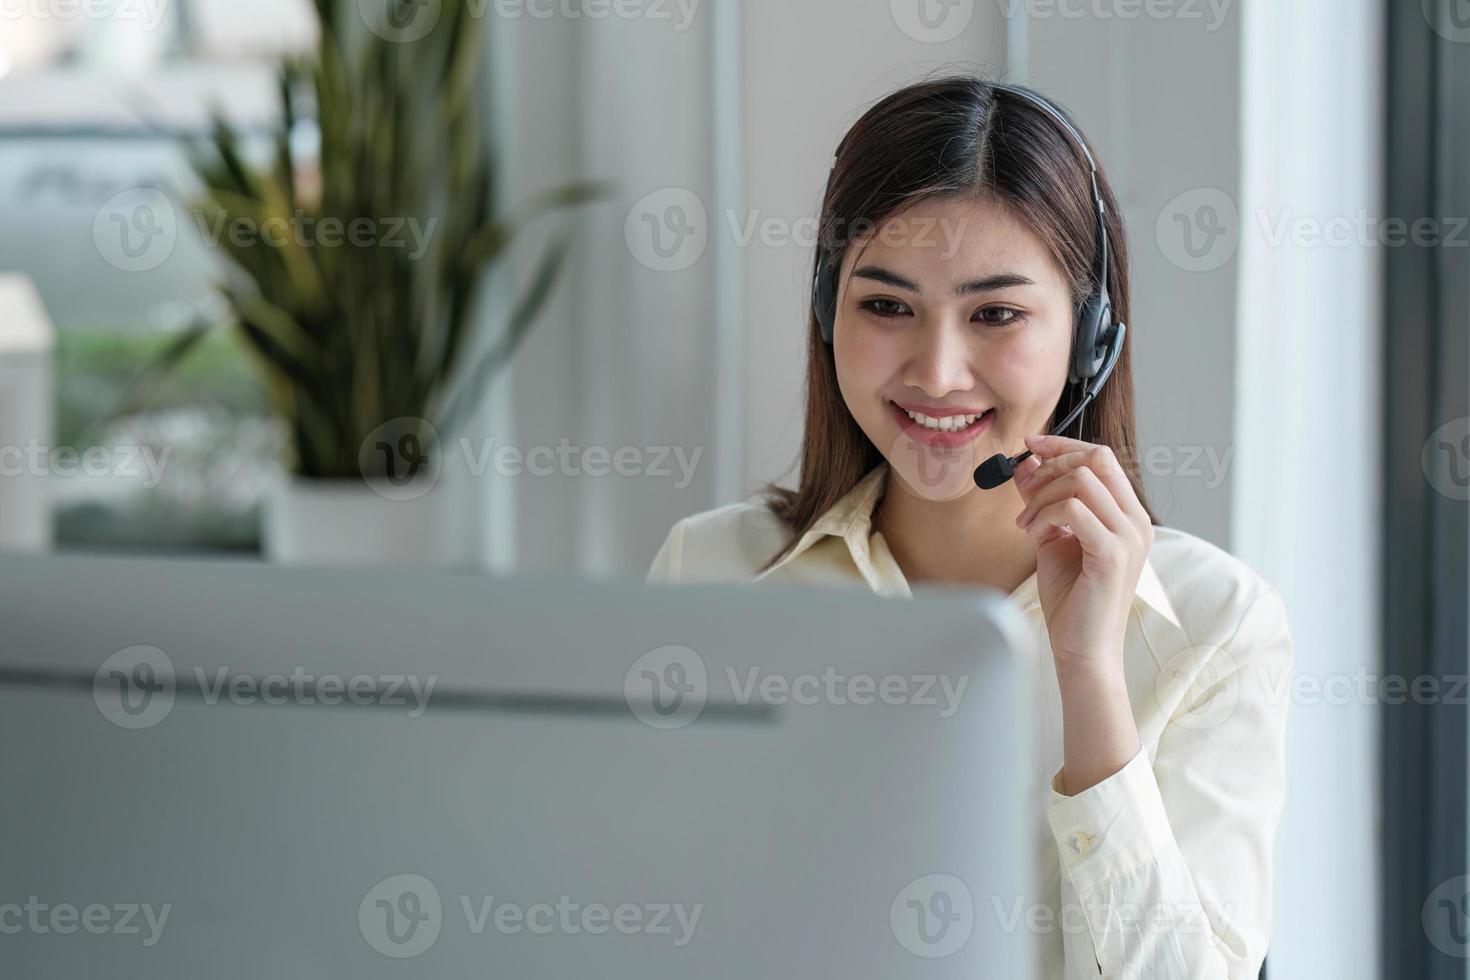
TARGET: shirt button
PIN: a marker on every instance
(1082, 842)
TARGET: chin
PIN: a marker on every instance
(935, 475)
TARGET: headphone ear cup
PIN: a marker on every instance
(1089, 349)
(824, 300)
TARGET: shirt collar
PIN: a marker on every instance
(851, 519)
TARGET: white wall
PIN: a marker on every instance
(626, 355)
(1307, 488)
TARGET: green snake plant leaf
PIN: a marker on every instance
(349, 334)
(521, 319)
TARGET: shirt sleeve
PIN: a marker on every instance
(1166, 864)
(667, 564)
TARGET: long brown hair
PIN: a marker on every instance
(962, 137)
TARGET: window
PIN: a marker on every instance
(95, 97)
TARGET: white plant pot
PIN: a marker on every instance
(347, 522)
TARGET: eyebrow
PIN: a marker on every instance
(1000, 280)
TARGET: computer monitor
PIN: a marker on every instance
(228, 770)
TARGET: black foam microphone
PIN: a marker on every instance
(999, 468)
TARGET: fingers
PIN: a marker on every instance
(1024, 471)
(1060, 456)
(1096, 540)
(1056, 445)
(1083, 484)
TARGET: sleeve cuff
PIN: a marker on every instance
(1110, 828)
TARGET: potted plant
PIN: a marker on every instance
(356, 256)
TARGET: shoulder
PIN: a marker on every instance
(727, 543)
(1218, 598)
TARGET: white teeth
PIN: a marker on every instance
(950, 423)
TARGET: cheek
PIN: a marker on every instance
(1026, 368)
(862, 366)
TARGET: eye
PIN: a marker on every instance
(887, 309)
(884, 308)
(1016, 316)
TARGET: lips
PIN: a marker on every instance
(937, 438)
(940, 412)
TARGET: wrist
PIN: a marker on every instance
(1102, 669)
(1099, 733)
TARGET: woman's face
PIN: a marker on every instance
(951, 309)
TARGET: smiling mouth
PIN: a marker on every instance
(946, 423)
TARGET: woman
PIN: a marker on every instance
(970, 282)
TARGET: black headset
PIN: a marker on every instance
(1097, 340)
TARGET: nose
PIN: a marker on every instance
(939, 361)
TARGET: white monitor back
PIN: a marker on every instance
(554, 812)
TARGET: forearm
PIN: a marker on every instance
(1099, 735)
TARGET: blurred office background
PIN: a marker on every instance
(1301, 369)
